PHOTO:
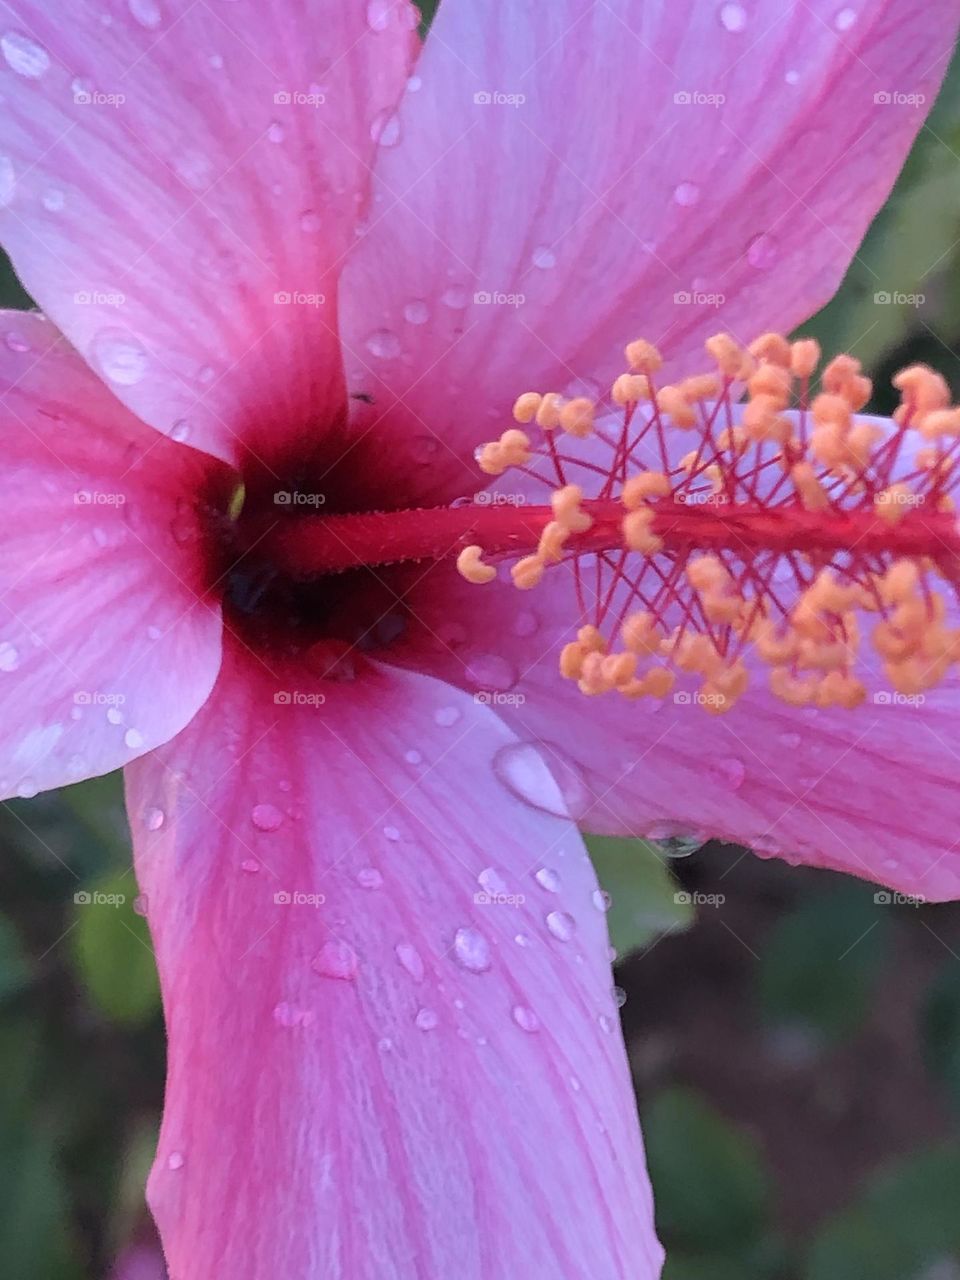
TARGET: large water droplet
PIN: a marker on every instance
(416, 311)
(733, 17)
(53, 200)
(275, 131)
(601, 899)
(559, 789)
(729, 772)
(9, 656)
(490, 672)
(369, 878)
(544, 257)
(335, 959)
(175, 1160)
(24, 55)
(426, 1019)
(133, 738)
(525, 1018)
(492, 882)
(180, 430)
(385, 129)
(547, 879)
(676, 844)
(266, 817)
(446, 716)
(686, 194)
(456, 297)
(762, 251)
(619, 997)
(409, 957)
(119, 356)
(311, 222)
(562, 925)
(845, 19)
(384, 344)
(147, 13)
(471, 950)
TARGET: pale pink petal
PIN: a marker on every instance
(393, 1046)
(107, 644)
(520, 244)
(179, 183)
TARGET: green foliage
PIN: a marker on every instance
(820, 965)
(645, 900)
(941, 1029)
(113, 953)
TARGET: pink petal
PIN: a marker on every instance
(600, 196)
(162, 198)
(370, 1077)
(107, 646)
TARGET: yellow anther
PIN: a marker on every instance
(511, 450)
(772, 348)
(641, 634)
(830, 408)
(643, 357)
(470, 566)
(694, 653)
(922, 389)
(788, 688)
(727, 352)
(720, 608)
(566, 509)
(659, 681)
(811, 491)
(571, 659)
(643, 486)
(525, 407)
(591, 639)
(900, 582)
(592, 680)
(842, 377)
(840, 689)
(704, 386)
(893, 503)
(618, 668)
(772, 381)
(777, 650)
(827, 593)
(526, 573)
(734, 439)
(761, 420)
(550, 546)
(804, 357)
(548, 411)
(630, 388)
(860, 441)
(829, 446)
(940, 422)
(576, 417)
(707, 573)
(490, 460)
(672, 401)
(637, 534)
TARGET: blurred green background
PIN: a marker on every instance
(795, 1047)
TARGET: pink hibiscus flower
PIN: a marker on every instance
(277, 245)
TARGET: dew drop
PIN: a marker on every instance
(133, 738)
(492, 882)
(266, 817)
(9, 656)
(215, 61)
(472, 950)
(733, 17)
(456, 297)
(378, 14)
(180, 430)
(559, 789)
(413, 757)
(601, 899)
(335, 959)
(490, 672)
(676, 845)
(27, 789)
(729, 772)
(526, 624)
(845, 19)
(24, 55)
(114, 715)
(154, 818)
(385, 129)
(175, 1160)
(525, 1018)
(686, 194)
(544, 257)
(311, 222)
(790, 740)
(605, 1023)
(562, 925)
(16, 342)
(446, 716)
(53, 200)
(369, 878)
(762, 252)
(120, 358)
(391, 833)
(275, 131)
(414, 84)
(521, 940)
(547, 879)
(288, 1015)
(619, 997)
(384, 344)
(146, 12)
(426, 1019)
(416, 311)
(792, 77)
(409, 957)
(250, 865)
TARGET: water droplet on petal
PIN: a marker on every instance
(250, 865)
(154, 818)
(525, 1018)
(384, 344)
(488, 671)
(601, 899)
(119, 356)
(311, 222)
(133, 738)
(409, 957)
(180, 430)
(385, 129)
(729, 772)
(845, 19)
(9, 656)
(16, 342)
(562, 925)
(762, 252)
(266, 817)
(559, 789)
(369, 878)
(416, 312)
(526, 624)
(426, 1019)
(686, 194)
(146, 12)
(378, 14)
(674, 844)
(492, 882)
(446, 716)
(413, 757)
(414, 84)
(114, 715)
(27, 789)
(733, 17)
(605, 1023)
(288, 1015)
(53, 200)
(391, 833)
(547, 879)
(471, 950)
(335, 959)
(456, 297)
(792, 77)
(544, 257)
(24, 55)
(619, 997)
(521, 940)
(275, 131)
(175, 1160)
